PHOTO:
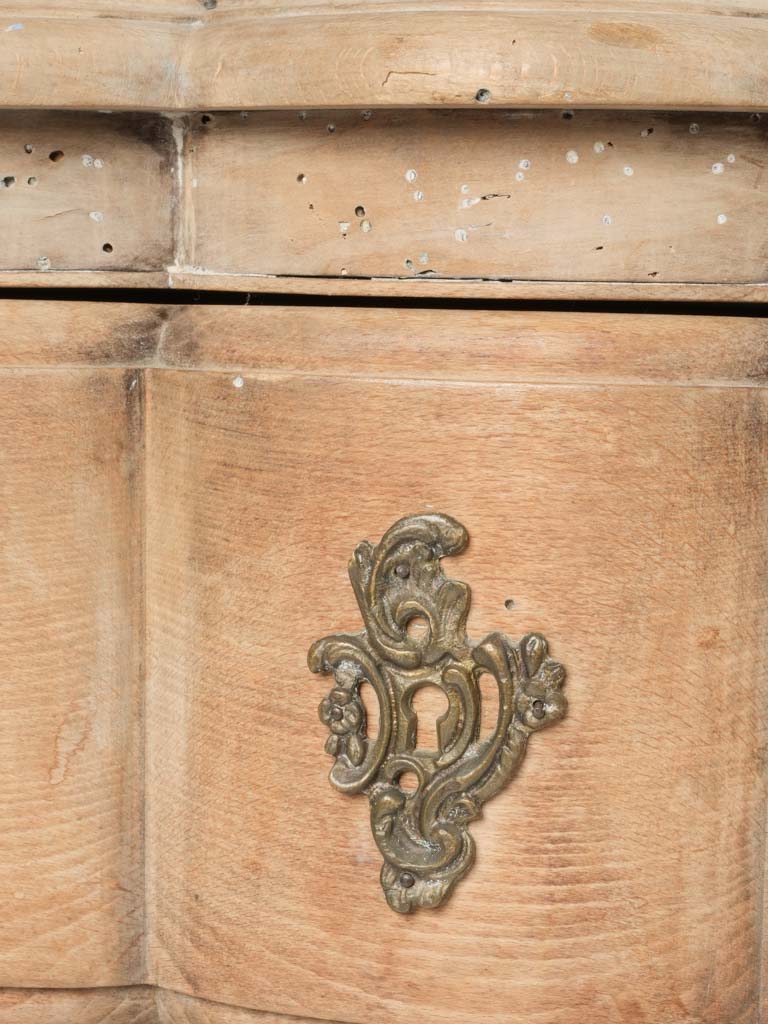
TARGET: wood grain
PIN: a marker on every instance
(398, 56)
(460, 288)
(610, 470)
(395, 287)
(244, 54)
(619, 878)
(85, 279)
(71, 786)
(493, 346)
(464, 194)
(75, 184)
(78, 1006)
(176, 1008)
(79, 334)
(277, 202)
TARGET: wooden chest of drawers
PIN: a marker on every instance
(287, 276)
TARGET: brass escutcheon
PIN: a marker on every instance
(423, 835)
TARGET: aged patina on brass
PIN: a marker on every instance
(423, 835)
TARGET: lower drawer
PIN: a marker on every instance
(185, 489)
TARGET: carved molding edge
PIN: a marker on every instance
(423, 835)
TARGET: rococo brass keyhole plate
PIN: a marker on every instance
(423, 835)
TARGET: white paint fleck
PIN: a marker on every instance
(731, 158)
(43, 263)
(98, 164)
(599, 147)
(366, 226)
(524, 165)
(568, 95)
(628, 171)
(572, 156)
(460, 235)
(718, 168)
(343, 226)
(465, 189)
(722, 219)
(466, 203)
(424, 257)
(87, 160)
(418, 195)
(238, 382)
(367, 115)
(411, 175)
(645, 133)
(194, 183)
(303, 115)
(97, 216)
(15, 27)
(694, 128)
(607, 219)
(519, 176)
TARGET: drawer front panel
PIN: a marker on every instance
(177, 522)
(545, 195)
(618, 877)
(71, 841)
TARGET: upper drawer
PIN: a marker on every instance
(507, 203)
(518, 195)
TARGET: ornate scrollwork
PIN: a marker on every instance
(423, 835)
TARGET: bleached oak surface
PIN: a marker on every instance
(85, 192)
(71, 624)
(594, 196)
(176, 539)
(498, 204)
(240, 53)
(135, 1005)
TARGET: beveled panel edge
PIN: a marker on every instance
(464, 346)
(129, 1004)
(175, 1007)
(475, 288)
(392, 287)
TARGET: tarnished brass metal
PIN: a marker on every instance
(423, 834)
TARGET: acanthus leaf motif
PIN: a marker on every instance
(423, 834)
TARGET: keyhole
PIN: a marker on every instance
(429, 704)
